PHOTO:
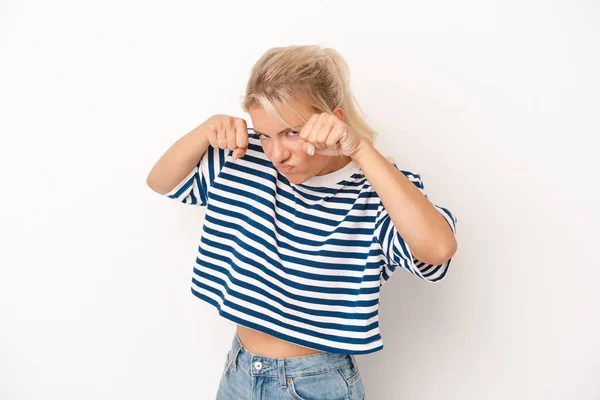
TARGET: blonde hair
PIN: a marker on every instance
(319, 75)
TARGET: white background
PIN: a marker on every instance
(495, 104)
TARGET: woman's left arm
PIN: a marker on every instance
(421, 225)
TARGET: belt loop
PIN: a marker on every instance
(354, 362)
(235, 356)
(281, 372)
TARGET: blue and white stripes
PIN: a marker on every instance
(397, 251)
(302, 262)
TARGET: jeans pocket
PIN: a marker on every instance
(356, 388)
(329, 385)
(350, 374)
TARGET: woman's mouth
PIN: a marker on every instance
(284, 167)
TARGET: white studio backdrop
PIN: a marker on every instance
(493, 103)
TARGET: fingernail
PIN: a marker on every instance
(311, 149)
(234, 156)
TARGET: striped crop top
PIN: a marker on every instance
(302, 262)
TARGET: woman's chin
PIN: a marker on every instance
(294, 178)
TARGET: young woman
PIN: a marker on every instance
(305, 221)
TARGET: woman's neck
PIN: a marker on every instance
(335, 163)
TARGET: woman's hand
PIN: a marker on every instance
(327, 134)
(227, 132)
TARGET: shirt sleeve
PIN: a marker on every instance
(193, 189)
(397, 252)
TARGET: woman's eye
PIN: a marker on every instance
(265, 137)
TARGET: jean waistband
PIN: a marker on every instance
(257, 365)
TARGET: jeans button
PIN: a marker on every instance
(258, 365)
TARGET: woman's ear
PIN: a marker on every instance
(339, 112)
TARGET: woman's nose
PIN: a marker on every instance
(280, 152)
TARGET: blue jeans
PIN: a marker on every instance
(317, 376)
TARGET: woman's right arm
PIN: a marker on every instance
(180, 159)
(181, 164)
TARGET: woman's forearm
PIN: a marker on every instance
(426, 231)
(177, 162)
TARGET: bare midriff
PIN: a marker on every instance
(263, 344)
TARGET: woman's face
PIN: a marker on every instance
(283, 146)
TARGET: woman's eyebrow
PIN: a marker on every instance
(285, 130)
